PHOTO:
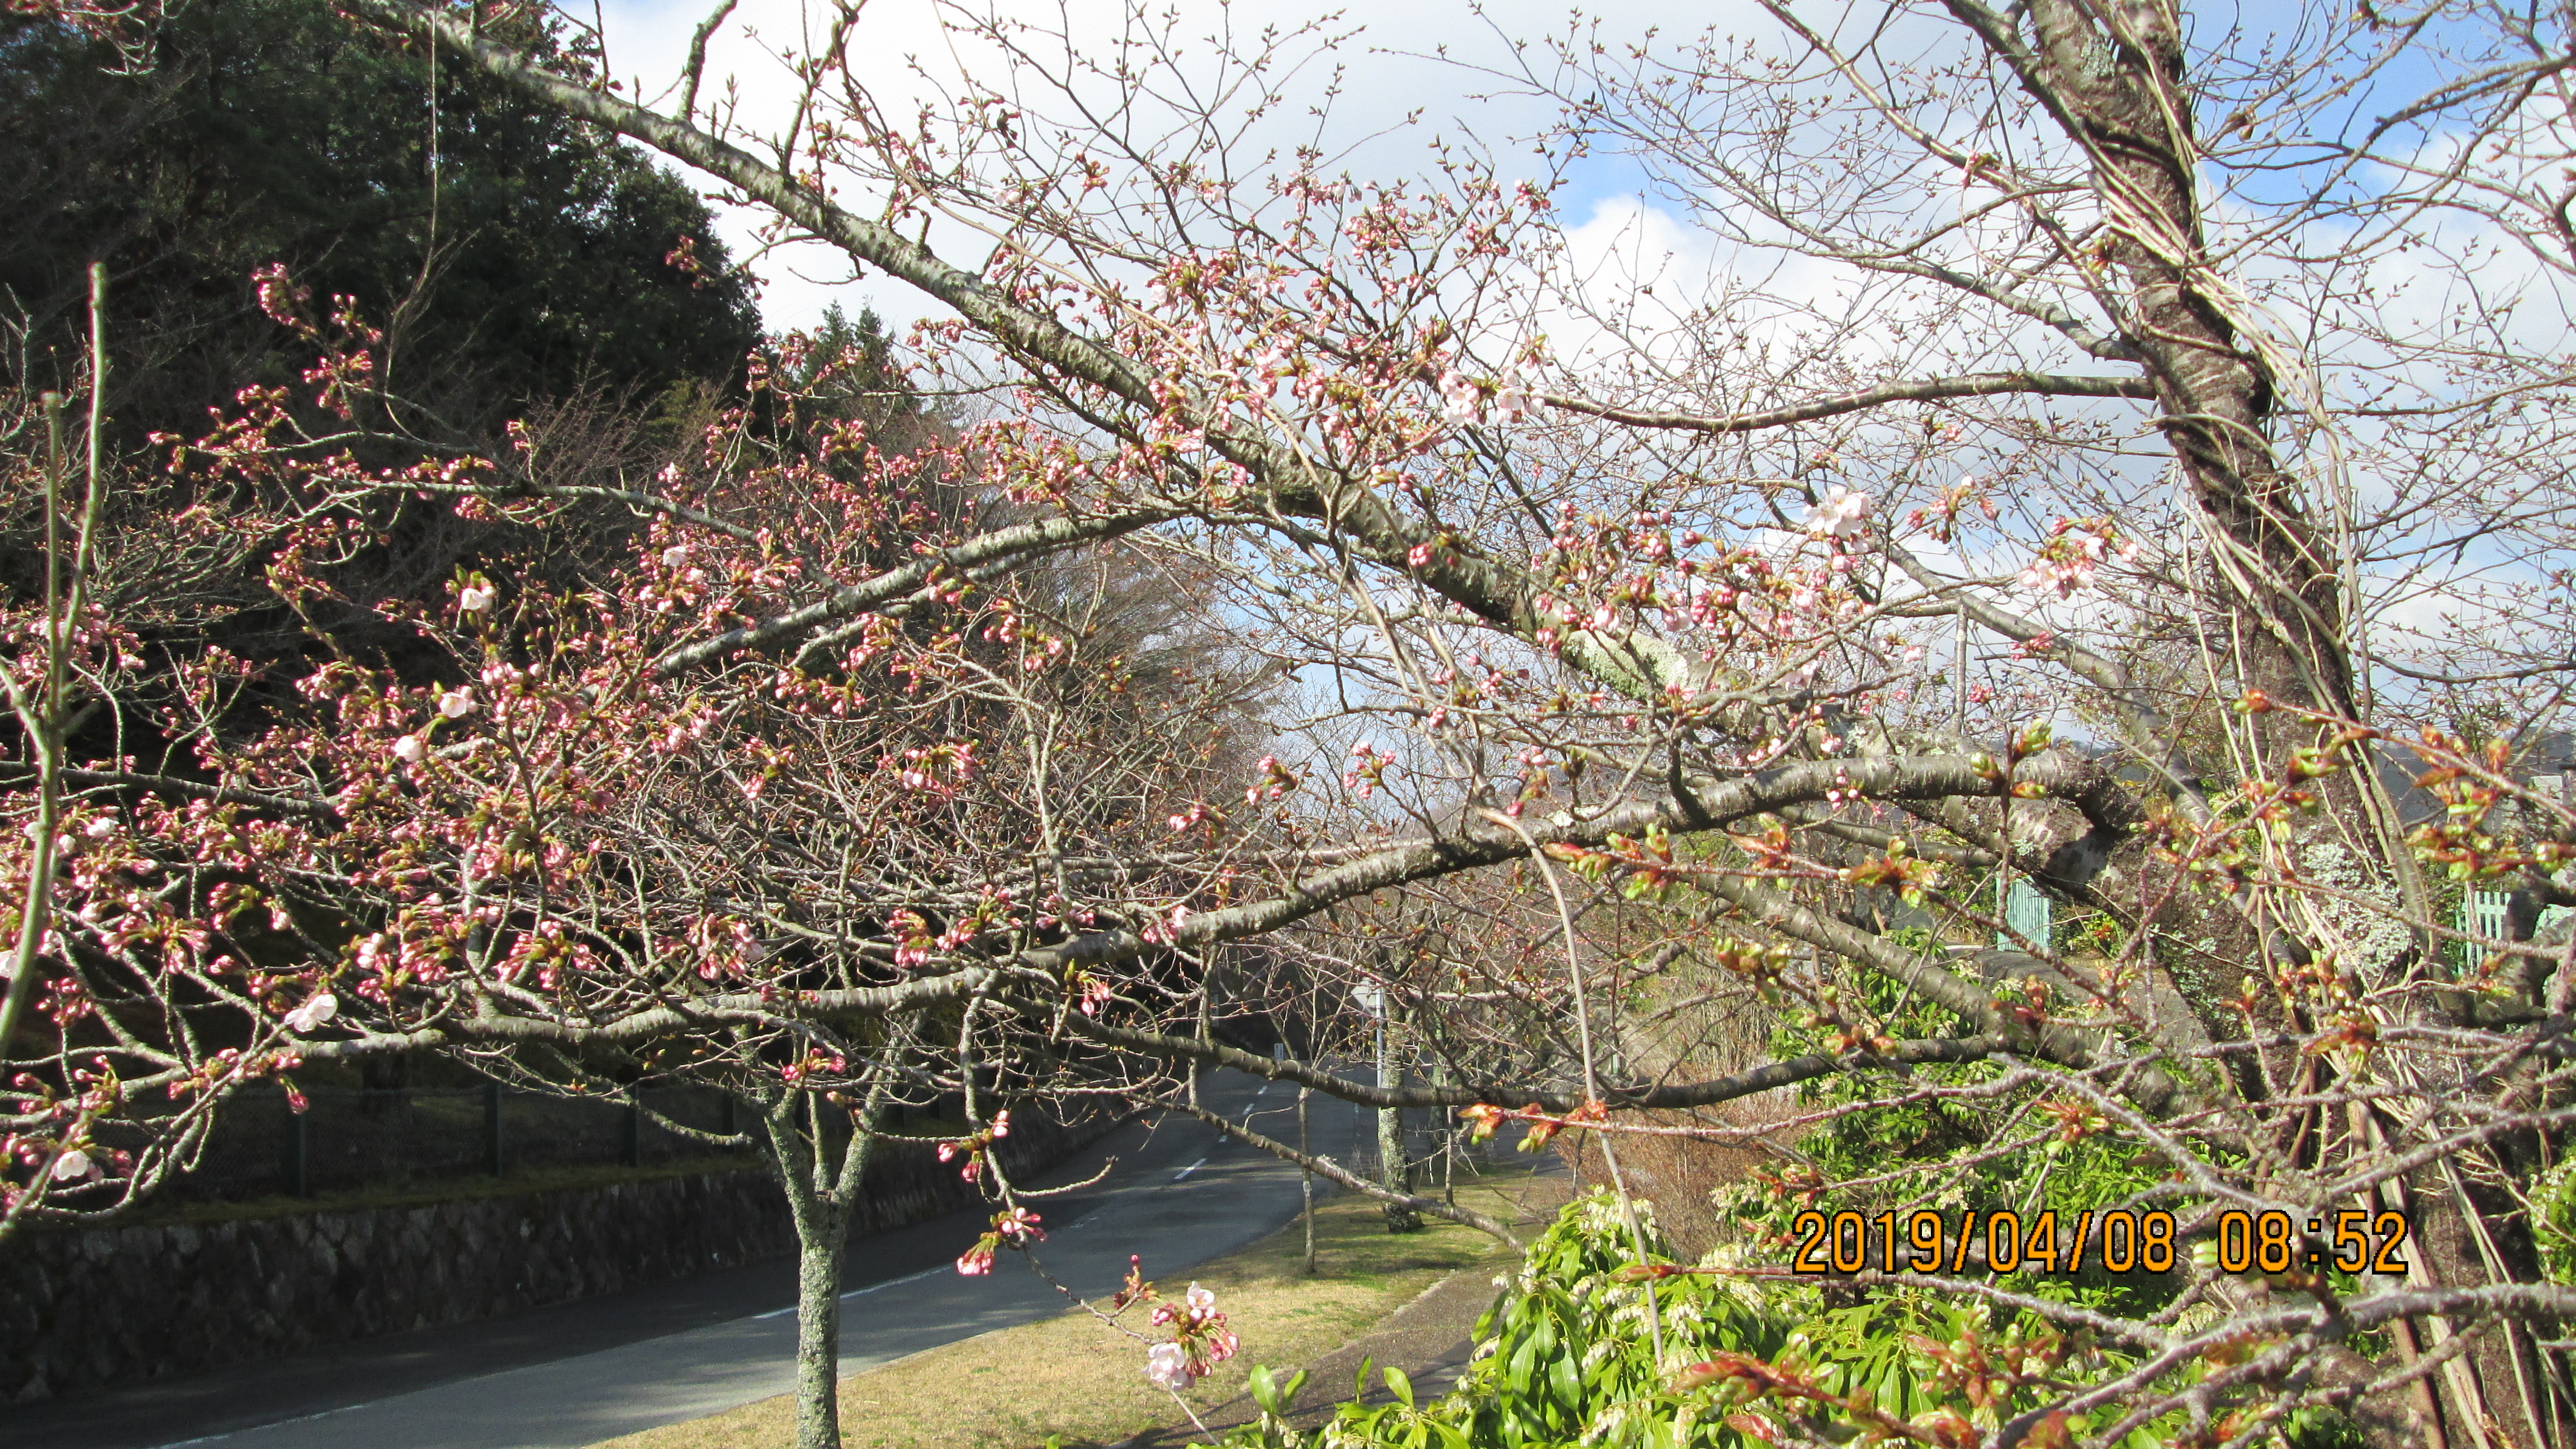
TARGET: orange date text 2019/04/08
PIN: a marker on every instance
(2118, 1240)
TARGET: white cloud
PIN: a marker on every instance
(1399, 78)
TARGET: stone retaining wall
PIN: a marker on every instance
(83, 1310)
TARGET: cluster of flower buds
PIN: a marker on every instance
(1012, 1228)
(1753, 960)
(1483, 1119)
(1166, 930)
(2075, 548)
(817, 1064)
(1367, 769)
(1090, 993)
(1276, 781)
(972, 1147)
(1200, 1341)
(936, 771)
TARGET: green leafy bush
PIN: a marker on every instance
(1569, 1356)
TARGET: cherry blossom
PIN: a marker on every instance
(1842, 514)
(317, 1009)
(1167, 1367)
(1200, 1337)
(1461, 399)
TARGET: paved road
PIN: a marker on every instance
(578, 1373)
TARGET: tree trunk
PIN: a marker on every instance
(822, 1166)
(1394, 1167)
(2113, 78)
(1306, 1180)
(821, 1235)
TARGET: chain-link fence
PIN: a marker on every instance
(351, 1139)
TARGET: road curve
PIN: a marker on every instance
(1179, 1194)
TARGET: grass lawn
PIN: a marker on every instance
(1073, 1376)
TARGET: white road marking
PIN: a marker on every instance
(298, 1419)
(1193, 1167)
(860, 1292)
(895, 1282)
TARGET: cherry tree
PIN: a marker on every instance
(1698, 578)
(2077, 503)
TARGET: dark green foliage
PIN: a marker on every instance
(1565, 1358)
(844, 369)
(536, 266)
(1988, 1152)
(1568, 1357)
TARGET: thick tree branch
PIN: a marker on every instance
(1980, 384)
(694, 1014)
(1047, 535)
(1707, 805)
(1631, 1097)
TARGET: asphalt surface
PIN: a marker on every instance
(1177, 1192)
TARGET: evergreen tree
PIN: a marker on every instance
(510, 254)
